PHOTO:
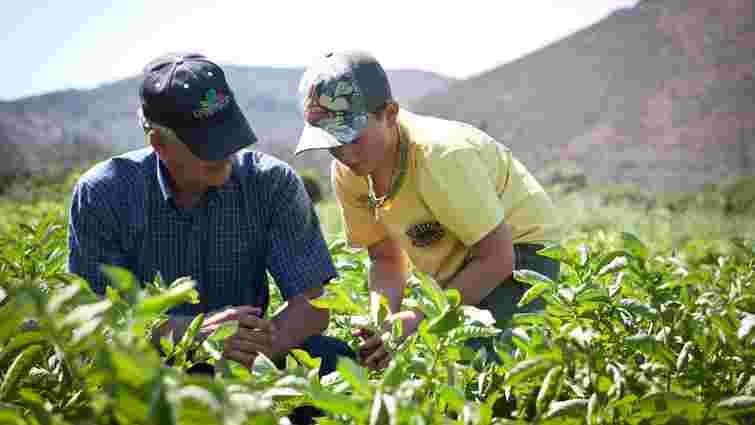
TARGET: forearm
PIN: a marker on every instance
(389, 279)
(297, 322)
(480, 277)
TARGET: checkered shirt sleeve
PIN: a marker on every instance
(298, 258)
(93, 237)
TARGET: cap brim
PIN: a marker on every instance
(313, 138)
(221, 139)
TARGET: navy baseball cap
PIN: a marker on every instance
(188, 93)
(336, 93)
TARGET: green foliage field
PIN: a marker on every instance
(653, 322)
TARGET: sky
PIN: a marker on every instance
(55, 45)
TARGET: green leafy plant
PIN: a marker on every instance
(632, 333)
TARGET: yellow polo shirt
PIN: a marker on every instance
(460, 184)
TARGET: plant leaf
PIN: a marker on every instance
(533, 292)
(615, 265)
(354, 375)
(532, 278)
(379, 308)
(87, 312)
(552, 250)
(25, 360)
(304, 358)
(529, 368)
(574, 408)
(736, 405)
(547, 390)
(634, 246)
(181, 292)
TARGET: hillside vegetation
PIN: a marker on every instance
(652, 321)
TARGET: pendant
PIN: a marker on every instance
(385, 202)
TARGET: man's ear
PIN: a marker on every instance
(391, 113)
(155, 139)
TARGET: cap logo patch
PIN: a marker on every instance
(314, 111)
(332, 96)
(212, 102)
(336, 105)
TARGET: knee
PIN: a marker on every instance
(328, 349)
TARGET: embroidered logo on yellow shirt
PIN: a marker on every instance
(425, 234)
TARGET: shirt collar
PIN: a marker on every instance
(164, 179)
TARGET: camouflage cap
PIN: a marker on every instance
(336, 93)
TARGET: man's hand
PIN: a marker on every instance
(178, 324)
(372, 351)
(215, 319)
(255, 335)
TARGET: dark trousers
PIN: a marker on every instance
(502, 301)
(327, 348)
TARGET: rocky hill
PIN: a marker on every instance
(661, 95)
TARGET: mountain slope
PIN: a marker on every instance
(660, 95)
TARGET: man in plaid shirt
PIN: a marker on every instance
(196, 204)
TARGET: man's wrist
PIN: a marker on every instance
(419, 314)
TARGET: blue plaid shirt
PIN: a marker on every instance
(261, 220)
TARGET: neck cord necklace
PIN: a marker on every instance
(376, 203)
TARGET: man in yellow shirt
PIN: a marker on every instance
(442, 193)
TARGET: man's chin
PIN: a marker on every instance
(359, 172)
(357, 169)
(218, 179)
